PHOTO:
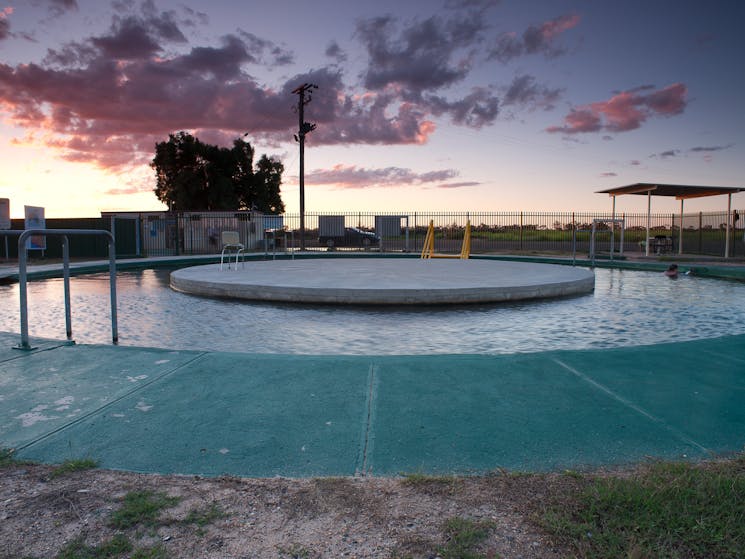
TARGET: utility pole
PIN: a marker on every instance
(303, 129)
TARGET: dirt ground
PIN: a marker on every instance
(41, 513)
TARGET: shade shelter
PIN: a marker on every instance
(681, 192)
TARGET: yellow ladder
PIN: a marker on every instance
(428, 250)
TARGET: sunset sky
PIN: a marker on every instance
(481, 105)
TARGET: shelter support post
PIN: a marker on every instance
(649, 221)
(680, 238)
(613, 227)
(729, 217)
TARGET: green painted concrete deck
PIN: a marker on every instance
(165, 411)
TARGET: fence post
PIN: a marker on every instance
(672, 232)
(700, 231)
(521, 230)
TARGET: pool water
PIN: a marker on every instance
(626, 308)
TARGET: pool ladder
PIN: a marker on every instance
(22, 277)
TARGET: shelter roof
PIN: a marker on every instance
(680, 191)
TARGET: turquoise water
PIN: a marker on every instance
(626, 308)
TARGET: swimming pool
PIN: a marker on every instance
(626, 308)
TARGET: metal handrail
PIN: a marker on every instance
(22, 277)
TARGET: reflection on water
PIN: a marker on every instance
(627, 308)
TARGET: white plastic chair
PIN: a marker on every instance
(231, 244)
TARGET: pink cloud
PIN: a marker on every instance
(625, 111)
(551, 29)
(108, 98)
(534, 40)
(4, 23)
(352, 176)
(669, 101)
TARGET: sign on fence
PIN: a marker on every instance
(35, 220)
(4, 213)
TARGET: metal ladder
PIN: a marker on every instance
(22, 277)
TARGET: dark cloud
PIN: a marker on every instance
(71, 55)
(710, 148)
(264, 51)
(351, 176)
(192, 18)
(59, 7)
(424, 55)
(470, 4)
(536, 39)
(624, 111)
(4, 27)
(666, 154)
(525, 92)
(409, 64)
(128, 39)
(477, 109)
(108, 102)
(222, 62)
(333, 50)
(609, 174)
(464, 184)
(166, 27)
(109, 98)
(349, 118)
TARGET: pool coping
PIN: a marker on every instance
(390, 281)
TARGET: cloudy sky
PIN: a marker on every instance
(498, 105)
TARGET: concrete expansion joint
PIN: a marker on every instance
(113, 402)
(366, 444)
(22, 352)
(638, 409)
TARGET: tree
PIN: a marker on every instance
(194, 176)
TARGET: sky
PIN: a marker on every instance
(434, 105)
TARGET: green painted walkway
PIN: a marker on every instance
(153, 410)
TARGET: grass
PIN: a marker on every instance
(7, 459)
(433, 484)
(417, 479)
(463, 538)
(294, 551)
(78, 549)
(141, 508)
(69, 466)
(668, 510)
(202, 517)
(155, 552)
(117, 547)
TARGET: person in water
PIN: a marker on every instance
(672, 271)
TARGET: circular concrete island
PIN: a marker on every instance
(384, 281)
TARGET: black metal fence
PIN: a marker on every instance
(533, 232)
(561, 233)
(124, 231)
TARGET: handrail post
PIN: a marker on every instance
(112, 289)
(23, 295)
(23, 278)
(66, 276)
